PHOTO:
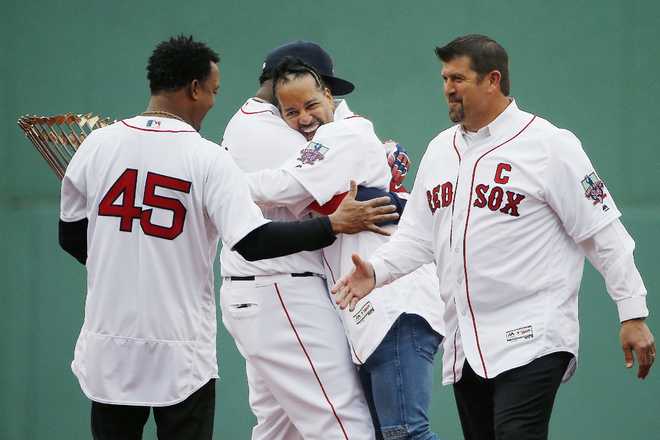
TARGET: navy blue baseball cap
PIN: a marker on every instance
(314, 55)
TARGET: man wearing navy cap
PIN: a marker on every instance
(395, 334)
(302, 383)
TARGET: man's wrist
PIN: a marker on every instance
(326, 220)
(380, 271)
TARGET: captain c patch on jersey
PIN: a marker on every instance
(594, 189)
(311, 153)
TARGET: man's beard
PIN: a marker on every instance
(456, 113)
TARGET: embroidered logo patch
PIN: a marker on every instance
(366, 310)
(311, 153)
(153, 123)
(520, 333)
(594, 189)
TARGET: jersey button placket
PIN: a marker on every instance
(460, 218)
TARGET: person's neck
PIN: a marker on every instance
(496, 108)
(168, 105)
(265, 92)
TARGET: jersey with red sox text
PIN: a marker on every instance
(502, 212)
(346, 149)
(256, 149)
(158, 197)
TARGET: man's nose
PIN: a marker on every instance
(305, 118)
(448, 88)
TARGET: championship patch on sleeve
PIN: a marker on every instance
(312, 153)
(594, 189)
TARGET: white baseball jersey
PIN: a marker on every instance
(158, 197)
(502, 212)
(257, 138)
(346, 149)
(302, 381)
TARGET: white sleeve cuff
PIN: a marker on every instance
(632, 307)
(380, 272)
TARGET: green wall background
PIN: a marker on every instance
(587, 66)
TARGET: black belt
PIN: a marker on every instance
(252, 277)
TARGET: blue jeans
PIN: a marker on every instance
(398, 380)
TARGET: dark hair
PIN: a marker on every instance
(291, 66)
(265, 76)
(176, 62)
(485, 56)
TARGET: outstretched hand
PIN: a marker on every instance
(352, 216)
(637, 338)
(351, 288)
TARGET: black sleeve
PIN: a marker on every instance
(73, 238)
(369, 193)
(276, 239)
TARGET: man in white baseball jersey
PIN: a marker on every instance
(144, 203)
(393, 338)
(302, 382)
(508, 205)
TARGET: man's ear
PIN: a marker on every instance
(494, 79)
(194, 89)
(328, 94)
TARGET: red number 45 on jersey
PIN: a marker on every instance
(126, 185)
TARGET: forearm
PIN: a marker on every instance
(276, 239)
(398, 257)
(364, 193)
(73, 239)
(277, 188)
(610, 251)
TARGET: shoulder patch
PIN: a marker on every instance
(594, 189)
(312, 153)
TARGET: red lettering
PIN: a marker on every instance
(447, 194)
(126, 185)
(495, 198)
(178, 210)
(481, 191)
(123, 187)
(499, 178)
(513, 200)
(429, 197)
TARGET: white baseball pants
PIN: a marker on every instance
(302, 382)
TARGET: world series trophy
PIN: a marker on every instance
(58, 137)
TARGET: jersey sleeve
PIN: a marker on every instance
(227, 200)
(326, 164)
(610, 251)
(411, 246)
(574, 190)
(277, 188)
(73, 199)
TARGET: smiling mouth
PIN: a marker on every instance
(310, 130)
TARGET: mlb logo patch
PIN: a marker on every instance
(152, 123)
(594, 189)
(311, 153)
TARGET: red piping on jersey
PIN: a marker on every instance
(334, 281)
(332, 275)
(355, 116)
(158, 131)
(453, 199)
(311, 364)
(256, 113)
(467, 221)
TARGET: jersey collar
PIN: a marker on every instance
(158, 124)
(255, 106)
(504, 123)
(341, 110)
